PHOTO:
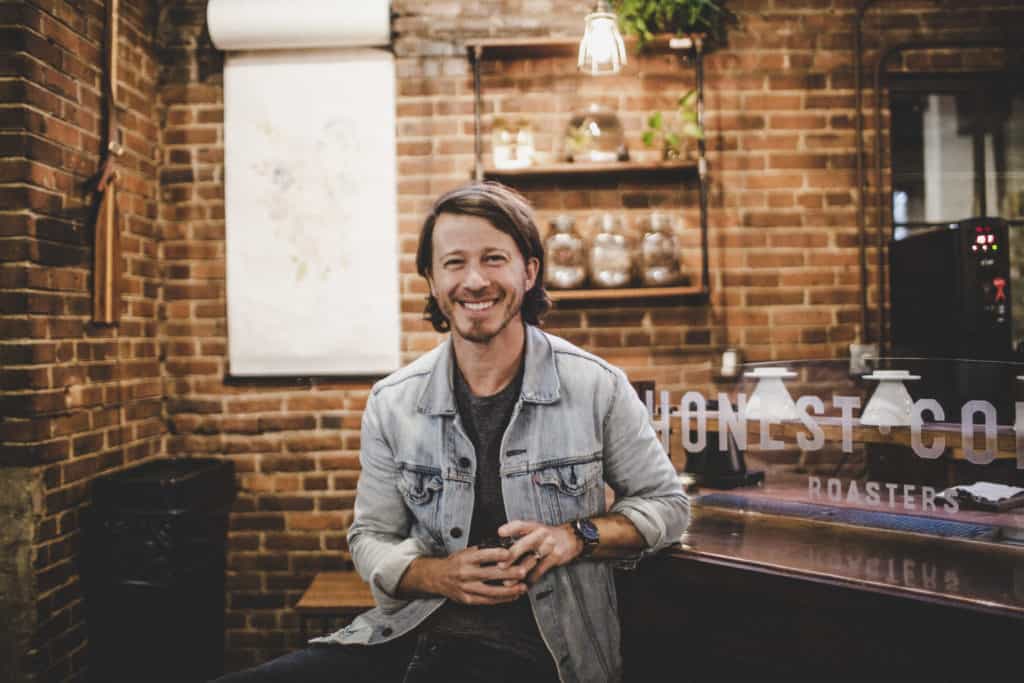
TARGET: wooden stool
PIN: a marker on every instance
(333, 595)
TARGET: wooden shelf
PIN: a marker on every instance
(623, 169)
(622, 294)
(559, 46)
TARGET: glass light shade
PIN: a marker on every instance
(890, 404)
(771, 399)
(601, 50)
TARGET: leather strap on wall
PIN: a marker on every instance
(106, 298)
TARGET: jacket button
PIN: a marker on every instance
(456, 532)
(386, 631)
(464, 463)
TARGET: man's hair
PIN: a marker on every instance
(506, 210)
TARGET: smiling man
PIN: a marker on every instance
(480, 516)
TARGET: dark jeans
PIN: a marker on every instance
(409, 659)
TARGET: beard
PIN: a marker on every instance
(481, 330)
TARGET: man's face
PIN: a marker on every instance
(478, 276)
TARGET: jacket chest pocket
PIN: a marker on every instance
(419, 485)
(421, 488)
(570, 489)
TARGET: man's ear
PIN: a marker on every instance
(532, 266)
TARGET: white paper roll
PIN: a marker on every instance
(279, 24)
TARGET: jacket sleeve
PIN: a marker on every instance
(647, 488)
(378, 538)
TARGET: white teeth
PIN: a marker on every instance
(477, 306)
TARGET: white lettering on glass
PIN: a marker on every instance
(847, 404)
(917, 421)
(694, 400)
(728, 421)
(967, 413)
(817, 440)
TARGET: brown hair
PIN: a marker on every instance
(506, 210)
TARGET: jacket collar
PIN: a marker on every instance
(540, 376)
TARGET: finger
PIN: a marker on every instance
(479, 589)
(517, 527)
(480, 556)
(514, 574)
(528, 543)
(540, 570)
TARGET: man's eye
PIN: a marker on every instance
(496, 258)
(452, 263)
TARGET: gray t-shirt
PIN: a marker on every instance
(510, 626)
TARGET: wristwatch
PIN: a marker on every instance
(587, 532)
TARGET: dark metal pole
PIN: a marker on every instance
(702, 167)
(478, 165)
(862, 240)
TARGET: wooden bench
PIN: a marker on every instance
(333, 595)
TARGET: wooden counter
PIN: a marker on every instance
(753, 594)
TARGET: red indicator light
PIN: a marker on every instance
(980, 239)
(974, 247)
(991, 239)
(1000, 285)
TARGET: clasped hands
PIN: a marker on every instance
(491, 576)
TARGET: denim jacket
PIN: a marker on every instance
(577, 425)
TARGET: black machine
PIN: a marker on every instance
(950, 292)
(951, 323)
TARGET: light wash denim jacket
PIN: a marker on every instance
(577, 424)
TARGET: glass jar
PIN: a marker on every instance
(594, 134)
(611, 261)
(564, 255)
(512, 143)
(659, 253)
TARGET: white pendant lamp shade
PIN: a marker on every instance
(602, 51)
(771, 399)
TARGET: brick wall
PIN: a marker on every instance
(77, 399)
(782, 232)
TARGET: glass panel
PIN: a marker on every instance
(922, 445)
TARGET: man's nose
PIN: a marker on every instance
(475, 279)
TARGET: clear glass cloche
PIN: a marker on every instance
(659, 253)
(564, 255)
(611, 259)
(595, 134)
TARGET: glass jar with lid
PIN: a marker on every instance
(611, 259)
(564, 255)
(659, 253)
(512, 143)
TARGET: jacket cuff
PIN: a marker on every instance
(389, 571)
(651, 526)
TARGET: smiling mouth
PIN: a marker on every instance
(477, 305)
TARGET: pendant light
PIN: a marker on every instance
(602, 52)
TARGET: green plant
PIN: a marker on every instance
(644, 18)
(671, 134)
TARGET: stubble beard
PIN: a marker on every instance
(474, 331)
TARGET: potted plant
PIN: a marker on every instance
(645, 18)
(671, 134)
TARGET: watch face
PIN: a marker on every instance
(587, 531)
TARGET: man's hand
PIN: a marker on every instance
(552, 546)
(462, 575)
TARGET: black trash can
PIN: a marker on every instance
(153, 571)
